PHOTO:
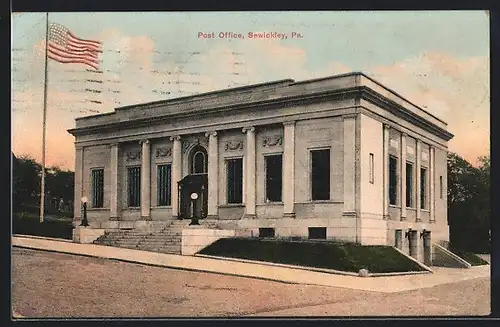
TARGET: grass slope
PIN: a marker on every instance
(470, 257)
(319, 254)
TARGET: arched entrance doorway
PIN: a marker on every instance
(195, 182)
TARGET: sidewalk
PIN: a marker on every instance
(287, 275)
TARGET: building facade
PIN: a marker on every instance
(341, 158)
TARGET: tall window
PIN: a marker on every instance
(440, 187)
(320, 174)
(163, 182)
(423, 188)
(199, 162)
(134, 186)
(97, 188)
(393, 180)
(409, 185)
(235, 180)
(274, 177)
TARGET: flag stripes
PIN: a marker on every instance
(64, 47)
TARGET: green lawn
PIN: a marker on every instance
(319, 254)
(29, 224)
(470, 257)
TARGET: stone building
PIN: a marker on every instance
(341, 157)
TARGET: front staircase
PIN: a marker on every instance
(164, 239)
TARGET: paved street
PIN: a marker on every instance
(290, 274)
(49, 284)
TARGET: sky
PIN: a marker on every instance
(438, 60)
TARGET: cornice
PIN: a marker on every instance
(400, 111)
(362, 92)
(295, 100)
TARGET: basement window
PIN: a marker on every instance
(266, 232)
(317, 233)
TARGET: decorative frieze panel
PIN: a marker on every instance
(274, 140)
(133, 155)
(410, 150)
(190, 143)
(394, 144)
(425, 156)
(164, 152)
(233, 145)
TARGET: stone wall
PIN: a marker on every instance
(195, 239)
(315, 134)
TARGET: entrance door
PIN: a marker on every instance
(195, 183)
(188, 207)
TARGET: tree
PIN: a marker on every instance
(26, 178)
(468, 203)
(60, 183)
(26, 181)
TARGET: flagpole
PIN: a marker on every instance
(42, 192)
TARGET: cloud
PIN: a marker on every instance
(455, 89)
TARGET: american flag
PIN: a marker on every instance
(65, 47)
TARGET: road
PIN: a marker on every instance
(49, 284)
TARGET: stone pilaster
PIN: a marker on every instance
(176, 173)
(77, 204)
(289, 169)
(386, 171)
(432, 185)
(414, 244)
(145, 180)
(213, 175)
(403, 176)
(113, 181)
(249, 173)
(418, 158)
(399, 239)
(349, 166)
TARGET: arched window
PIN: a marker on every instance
(199, 162)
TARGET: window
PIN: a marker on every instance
(423, 188)
(440, 187)
(199, 163)
(274, 178)
(372, 168)
(393, 180)
(409, 185)
(266, 232)
(164, 185)
(235, 180)
(320, 174)
(97, 188)
(317, 233)
(134, 186)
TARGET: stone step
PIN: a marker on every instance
(156, 244)
(162, 236)
(152, 237)
(127, 242)
(159, 242)
(127, 237)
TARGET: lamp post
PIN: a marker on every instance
(194, 219)
(85, 222)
